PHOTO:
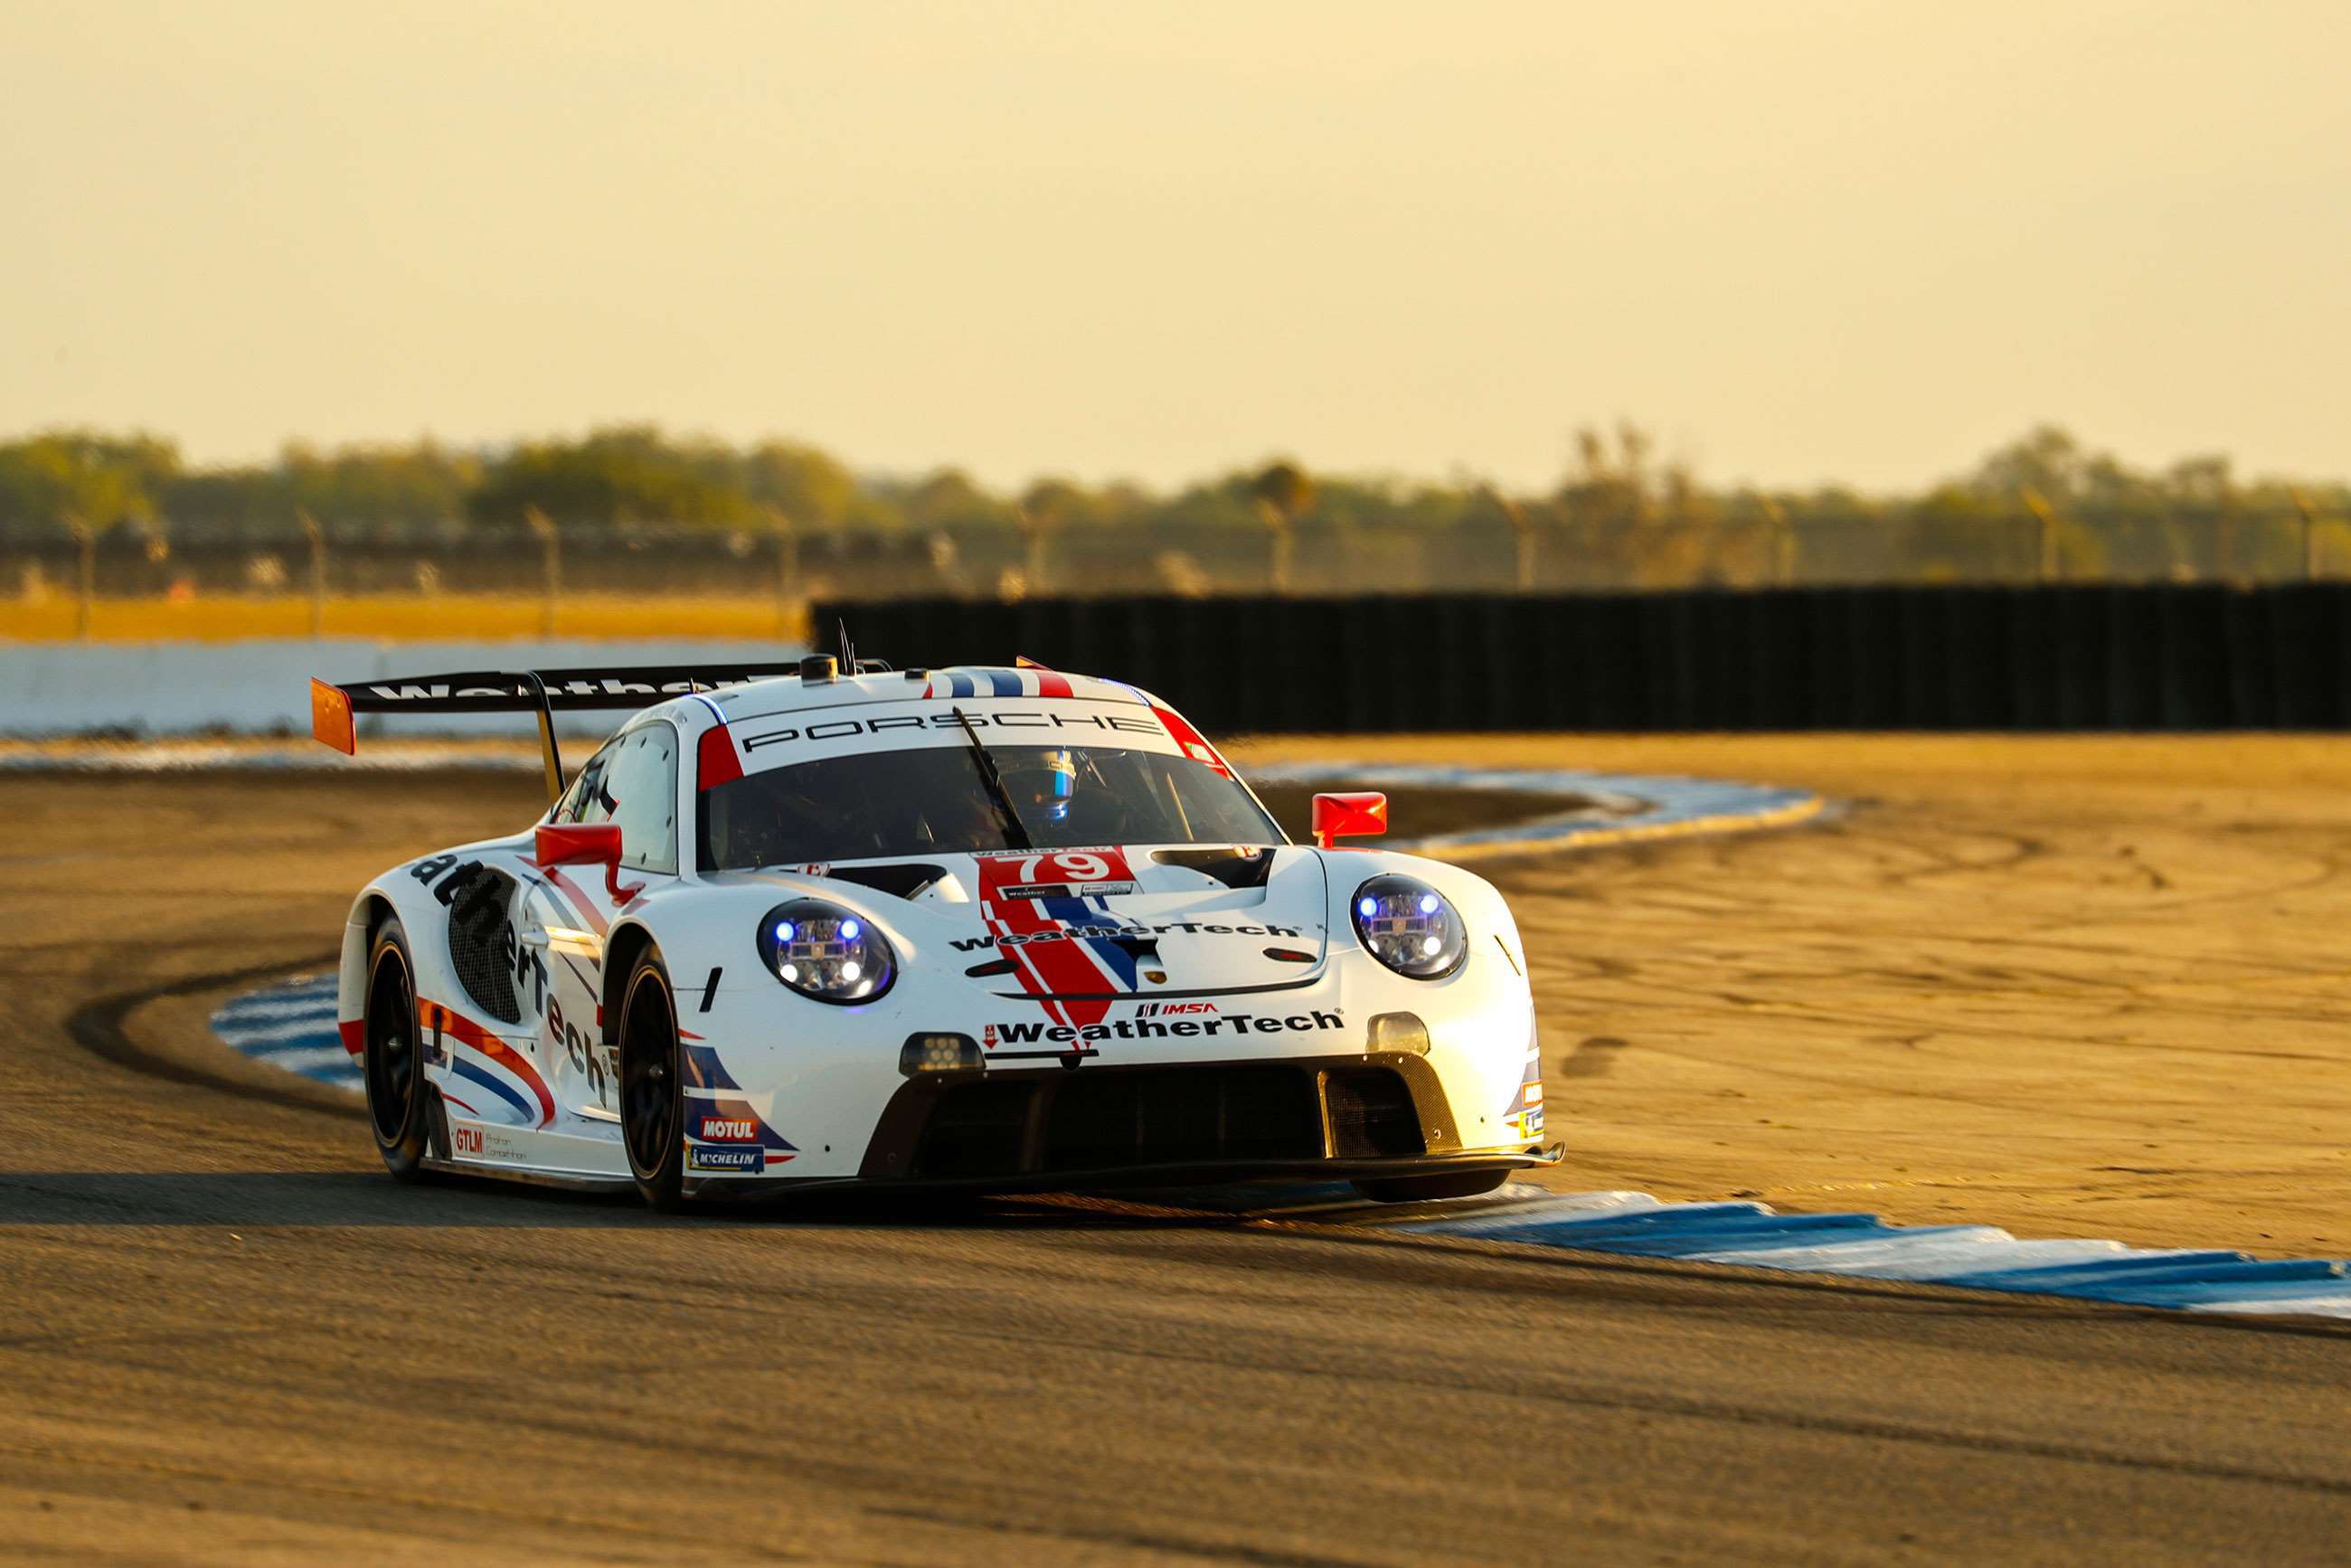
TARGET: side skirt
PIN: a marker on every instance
(561, 1156)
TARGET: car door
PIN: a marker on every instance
(632, 783)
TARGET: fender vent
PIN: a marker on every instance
(898, 881)
(1234, 867)
(482, 941)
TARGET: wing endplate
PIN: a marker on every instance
(330, 717)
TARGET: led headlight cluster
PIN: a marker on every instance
(826, 953)
(1409, 926)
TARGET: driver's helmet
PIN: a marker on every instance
(1043, 783)
(770, 819)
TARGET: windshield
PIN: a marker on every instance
(937, 801)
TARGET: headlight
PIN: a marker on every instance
(1409, 926)
(825, 953)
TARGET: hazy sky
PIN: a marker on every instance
(1800, 241)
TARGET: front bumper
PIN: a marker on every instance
(1383, 1115)
(1161, 1177)
(834, 1090)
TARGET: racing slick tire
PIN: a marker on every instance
(653, 1088)
(1428, 1189)
(399, 1100)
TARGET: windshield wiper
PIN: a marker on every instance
(1015, 834)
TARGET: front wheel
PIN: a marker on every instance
(399, 1099)
(1429, 1188)
(652, 1094)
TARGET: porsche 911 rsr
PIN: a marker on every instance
(1000, 929)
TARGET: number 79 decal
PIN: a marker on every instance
(1060, 873)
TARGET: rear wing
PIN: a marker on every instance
(334, 709)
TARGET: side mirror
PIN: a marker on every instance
(585, 843)
(1358, 815)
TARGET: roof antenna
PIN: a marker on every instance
(848, 654)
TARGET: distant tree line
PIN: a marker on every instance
(632, 476)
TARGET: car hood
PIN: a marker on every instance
(1165, 921)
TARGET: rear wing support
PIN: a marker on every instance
(550, 758)
(335, 709)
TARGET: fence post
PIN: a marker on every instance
(317, 537)
(1032, 558)
(1522, 538)
(2046, 517)
(1784, 542)
(1277, 557)
(86, 572)
(551, 567)
(788, 569)
(2309, 534)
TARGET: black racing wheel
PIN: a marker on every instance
(1427, 1188)
(652, 1088)
(400, 1102)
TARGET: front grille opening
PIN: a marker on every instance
(1122, 1118)
(1100, 1120)
(976, 1131)
(1093, 1120)
(1371, 1114)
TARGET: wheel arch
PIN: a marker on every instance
(369, 913)
(622, 949)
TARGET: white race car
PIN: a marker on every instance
(1000, 929)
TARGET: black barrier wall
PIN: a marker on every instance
(2146, 657)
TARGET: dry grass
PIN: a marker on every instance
(390, 617)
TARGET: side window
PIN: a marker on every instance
(638, 789)
(586, 801)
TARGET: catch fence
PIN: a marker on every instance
(1498, 552)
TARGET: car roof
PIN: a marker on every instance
(791, 693)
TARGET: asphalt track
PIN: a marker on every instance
(229, 1337)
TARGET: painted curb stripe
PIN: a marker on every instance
(251, 1024)
(1979, 1256)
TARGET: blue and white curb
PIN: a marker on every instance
(1630, 807)
(292, 1025)
(1978, 1256)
